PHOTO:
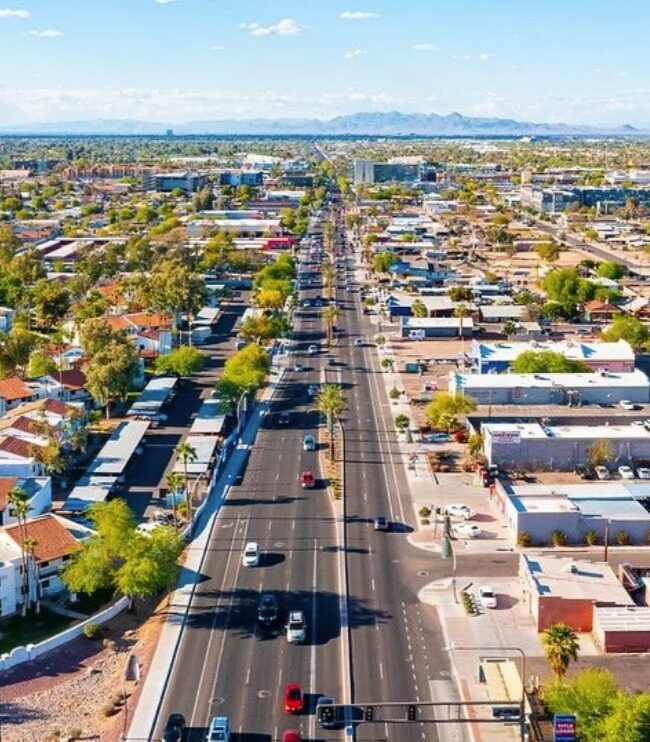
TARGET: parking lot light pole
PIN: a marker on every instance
(522, 702)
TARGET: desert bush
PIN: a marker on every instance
(559, 538)
(623, 538)
(591, 538)
(524, 539)
(92, 630)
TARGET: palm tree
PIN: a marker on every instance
(329, 274)
(560, 647)
(29, 545)
(332, 403)
(330, 314)
(19, 501)
(419, 309)
(186, 452)
(462, 311)
(174, 483)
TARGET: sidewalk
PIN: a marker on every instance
(157, 675)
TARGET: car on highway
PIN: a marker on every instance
(626, 404)
(326, 717)
(643, 472)
(626, 472)
(358, 342)
(298, 367)
(466, 530)
(296, 628)
(602, 472)
(291, 735)
(312, 350)
(284, 418)
(219, 729)
(487, 597)
(293, 699)
(307, 479)
(174, 728)
(267, 610)
(459, 510)
(251, 555)
(381, 523)
(309, 443)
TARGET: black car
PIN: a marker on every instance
(174, 730)
(267, 610)
(284, 418)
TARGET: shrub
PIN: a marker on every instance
(647, 537)
(424, 512)
(394, 393)
(468, 603)
(591, 538)
(108, 709)
(558, 538)
(118, 698)
(92, 630)
(425, 522)
(524, 539)
(75, 732)
(623, 538)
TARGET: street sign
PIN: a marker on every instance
(564, 728)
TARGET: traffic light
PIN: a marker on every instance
(326, 715)
(412, 712)
(370, 713)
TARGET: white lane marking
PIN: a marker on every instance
(381, 670)
(248, 676)
(293, 525)
(269, 526)
(277, 477)
(280, 676)
(365, 497)
(312, 653)
(372, 582)
(261, 586)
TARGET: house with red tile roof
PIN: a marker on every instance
(67, 386)
(39, 496)
(13, 392)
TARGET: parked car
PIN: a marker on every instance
(626, 472)
(296, 628)
(643, 472)
(312, 350)
(466, 530)
(284, 418)
(487, 596)
(358, 342)
(602, 472)
(251, 555)
(307, 480)
(309, 443)
(298, 367)
(381, 523)
(459, 510)
(437, 438)
(584, 472)
(312, 390)
(293, 699)
(626, 404)
(174, 728)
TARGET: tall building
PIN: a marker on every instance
(369, 171)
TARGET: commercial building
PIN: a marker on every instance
(185, 180)
(252, 178)
(562, 589)
(418, 328)
(575, 509)
(498, 357)
(369, 171)
(605, 198)
(536, 447)
(622, 628)
(558, 389)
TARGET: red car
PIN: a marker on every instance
(307, 480)
(291, 735)
(293, 700)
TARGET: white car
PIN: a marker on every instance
(298, 367)
(643, 472)
(312, 350)
(251, 555)
(602, 472)
(627, 405)
(358, 342)
(487, 596)
(309, 443)
(458, 510)
(626, 472)
(466, 530)
(312, 390)
(296, 628)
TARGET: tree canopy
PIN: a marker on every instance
(629, 328)
(183, 361)
(445, 408)
(547, 361)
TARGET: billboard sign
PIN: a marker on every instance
(564, 728)
(505, 436)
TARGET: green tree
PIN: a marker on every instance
(270, 299)
(187, 454)
(175, 482)
(244, 373)
(19, 502)
(547, 362)
(330, 314)
(382, 262)
(331, 402)
(262, 328)
(629, 719)
(183, 361)
(445, 408)
(93, 304)
(50, 301)
(548, 251)
(611, 269)
(172, 288)
(419, 309)
(600, 453)
(40, 364)
(110, 372)
(561, 645)
(16, 347)
(460, 293)
(631, 329)
(402, 422)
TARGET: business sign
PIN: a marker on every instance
(505, 436)
(564, 728)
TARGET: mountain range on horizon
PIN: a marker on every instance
(389, 123)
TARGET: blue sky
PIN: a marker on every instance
(577, 61)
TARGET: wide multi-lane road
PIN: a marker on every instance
(226, 664)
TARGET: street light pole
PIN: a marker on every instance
(447, 552)
(522, 702)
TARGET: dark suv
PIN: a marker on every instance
(174, 730)
(267, 610)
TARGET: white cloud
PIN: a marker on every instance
(483, 57)
(358, 15)
(13, 13)
(47, 33)
(425, 47)
(217, 48)
(164, 2)
(354, 53)
(285, 27)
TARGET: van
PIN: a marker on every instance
(201, 334)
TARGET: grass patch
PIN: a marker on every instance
(17, 631)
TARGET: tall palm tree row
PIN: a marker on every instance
(19, 502)
(174, 483)
(330, 314)
(331, 402)
(187, 453)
